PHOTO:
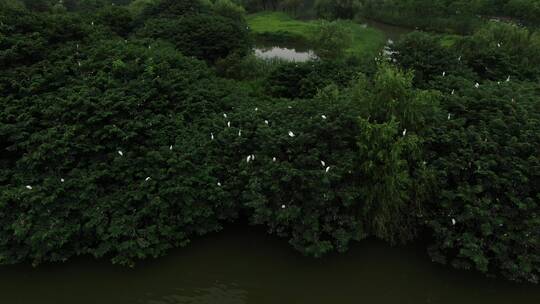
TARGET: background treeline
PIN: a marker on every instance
(120, 137)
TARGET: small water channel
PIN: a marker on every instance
(241, 266)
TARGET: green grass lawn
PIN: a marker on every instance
(366, 41)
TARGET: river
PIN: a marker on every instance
(241, 266)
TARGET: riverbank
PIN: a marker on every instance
(281, 28)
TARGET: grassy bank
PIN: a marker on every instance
(268, 24)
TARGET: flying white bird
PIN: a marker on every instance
(147, 179)
(453, 221)
(323, 163)
(29, 187)
(327, 169)
(323, 116)
(121, 153)
(404, 132)
(291, 134)
(477, 85)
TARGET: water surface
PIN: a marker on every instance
(284, 53)
(240, 267)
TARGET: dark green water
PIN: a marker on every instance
(250, 267)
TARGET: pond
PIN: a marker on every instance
(237, 266)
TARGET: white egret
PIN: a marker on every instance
(170, 147)
(212, 136)
(459, 58)
(219, 184)
(239, 133)
(147, 179)
(323, 163)
(477, 85)
(229, 124)
(256, 109)
(323, 116)
(404, 132)
(225, 115)
(327, 169)
(449, 115)
(248, 159)
(508, 78)
(120, 153)
(443, 74)
(62, 180)
(79, 63)
(498, 44)
(274, 159)
(283, 206)
(28, 187)
(252, 156)
(291, 134)
(453, 91)
(453, 221)
(266, 122)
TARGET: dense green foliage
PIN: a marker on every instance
(120, 138)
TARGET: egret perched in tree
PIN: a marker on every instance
(459, 58)
(266, 122)
(121, 153)
(62, 180)
(453, 221)
(225, 115)
(147, 179)
(452, 92)
(443, 74)
(291, 134)
(248, 159)
(170, 147)
(229, 124)
(274, 159)
(283, 206)
(92, 23)
(323, 163)
(327, 169)
(239, 133)
(79, 63)
(256, 109)
(508, 78)
(477, 85)
(289, 107)
(212, 136)
(219, 184)
(449, 116)
(28, 187)
(404, 132)
(499, 44)
(323, 116)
